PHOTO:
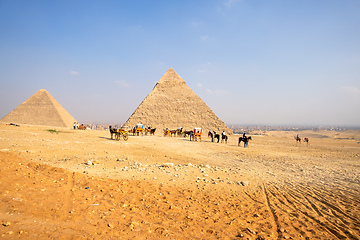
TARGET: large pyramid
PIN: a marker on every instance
(172, 104)
(40, 109)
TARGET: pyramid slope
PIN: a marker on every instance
(172, 104)
(40, 109)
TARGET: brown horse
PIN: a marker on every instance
(224, 137)
(166, 132)
(179, 132)
(173, 132)
(298, 139)
(150, 130)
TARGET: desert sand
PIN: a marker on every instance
(74, 184)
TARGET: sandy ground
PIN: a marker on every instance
(83, 185)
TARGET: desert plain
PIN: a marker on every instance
(74, 184)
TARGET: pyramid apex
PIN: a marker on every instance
(171, 76)
(42, 91)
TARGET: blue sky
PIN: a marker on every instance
(253, 62)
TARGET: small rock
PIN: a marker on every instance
(6, 224)
(251, 231)
(245, 183)
(167, 165)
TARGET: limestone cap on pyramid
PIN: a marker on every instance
(171, 76)
(40, 109)
(172, 104)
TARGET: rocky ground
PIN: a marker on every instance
(67, 184)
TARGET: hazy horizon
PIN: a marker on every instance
(252, 62)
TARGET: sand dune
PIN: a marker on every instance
(83, 185)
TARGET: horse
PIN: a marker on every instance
(173, 132)
(179, 132)
(298, 139)
(133, 130)
(245, 140)
(166, 132)
(150, 130)
(187, 133)
(224, 137)
(214, 135)
(112, 131)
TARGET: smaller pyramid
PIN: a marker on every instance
(40, 109)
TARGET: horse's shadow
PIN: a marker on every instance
(107, 138)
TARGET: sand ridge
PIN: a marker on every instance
(82, 184)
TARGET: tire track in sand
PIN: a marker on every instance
(273, 212)
(309, 207)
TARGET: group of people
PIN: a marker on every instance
(214, 135)
(76, 126)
